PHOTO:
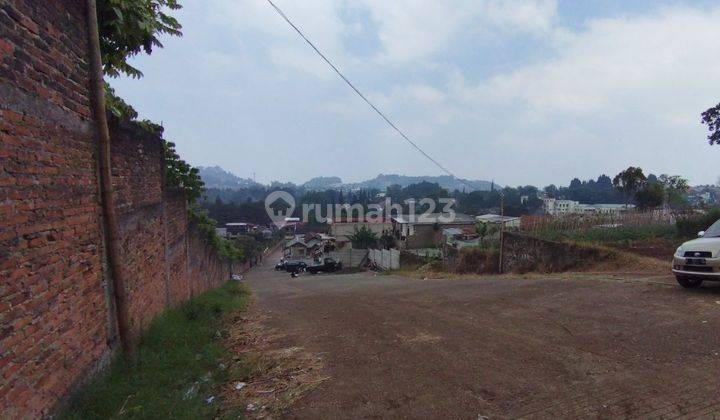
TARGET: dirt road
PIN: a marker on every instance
(500, 347)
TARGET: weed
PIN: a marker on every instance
(177, 365)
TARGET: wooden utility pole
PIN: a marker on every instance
(115, 286)
(502, 230)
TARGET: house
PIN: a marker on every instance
(461, 238)
(303, 246)
(612, 209)
(496, 219)
(425, 230)
(343, 229)
(703, 195)
(239, 228)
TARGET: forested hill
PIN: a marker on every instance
(217, 177)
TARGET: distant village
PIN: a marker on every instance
(428, 234)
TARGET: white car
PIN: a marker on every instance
(699, 259)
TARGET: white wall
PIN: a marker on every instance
(386, 259)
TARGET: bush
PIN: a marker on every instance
(623, 234)
(692, 224)
(478, 260)
(225, 249)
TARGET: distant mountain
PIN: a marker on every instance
(217, 177)
(323, 183)
(451, 183)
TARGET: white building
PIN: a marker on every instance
(555, 207)
(508, 221)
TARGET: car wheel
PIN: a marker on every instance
(689, 282)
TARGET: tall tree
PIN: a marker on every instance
(711, 117)
(363, 238)
(629, 182)
(130, 27)
(650, 196)
(675, 188)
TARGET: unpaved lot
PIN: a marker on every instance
(562, 346)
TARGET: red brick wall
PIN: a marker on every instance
(204, 267)
(138, 182)
(55, 320)
(176, 247)
(53, 316)
(165, 259)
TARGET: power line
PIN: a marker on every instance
(380, 113)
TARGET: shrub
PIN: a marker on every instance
(225, 249)
(478, 260)
(692, 224)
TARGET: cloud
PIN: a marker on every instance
(491, 88)
(654, 65)
(414, 30)
(407, 30)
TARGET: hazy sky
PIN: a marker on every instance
(522, 92)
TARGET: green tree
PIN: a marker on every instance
(481, 228)
(130, 27)
(650, 196)
(676, 188)
(629, 182)
(180, 174)
(363, 238)
(387, 240)
(711, 118)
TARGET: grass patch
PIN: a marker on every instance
(620, 234)
(179, 362)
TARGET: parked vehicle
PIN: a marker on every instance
(699, 259)
(294, 266)
(328, 265)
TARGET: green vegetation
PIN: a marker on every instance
(651, 192)
(621, 234)
(690, 226)
(130, 27)
(484, 230)
(481, 260)
(225, 248)
(711, 118)
(180, 174)
(363, 238)
(179, 362)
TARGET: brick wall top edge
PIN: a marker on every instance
(127, 132)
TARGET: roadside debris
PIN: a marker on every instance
(275, 375)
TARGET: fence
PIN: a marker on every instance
(386, 259)
(349, 257)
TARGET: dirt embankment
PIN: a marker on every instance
(525, 254)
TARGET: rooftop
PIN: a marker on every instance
(432, 218)
(495, 218)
